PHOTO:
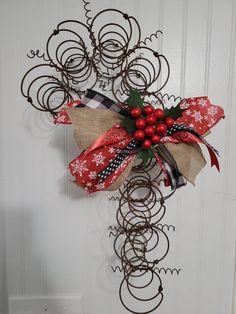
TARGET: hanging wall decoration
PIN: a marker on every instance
(129, 139)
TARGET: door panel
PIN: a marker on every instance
(55, 238)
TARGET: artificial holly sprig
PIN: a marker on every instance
(147, 124)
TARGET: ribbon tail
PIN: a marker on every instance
(213, 154)
(171, 173)
(183, 133)
(213, 157)
(161, 165)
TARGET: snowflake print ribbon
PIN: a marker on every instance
(91, 162)
(110, 151)
(200, 114)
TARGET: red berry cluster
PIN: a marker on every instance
(151, 125)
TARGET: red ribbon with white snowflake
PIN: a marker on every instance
(86, 167)
(200, 114)
(197, 113)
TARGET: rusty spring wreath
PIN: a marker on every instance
(113, 57)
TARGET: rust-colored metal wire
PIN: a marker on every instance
(110, 57)
(141, 242)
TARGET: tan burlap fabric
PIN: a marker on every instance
(189, 159)
(89, 124)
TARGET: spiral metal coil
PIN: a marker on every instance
(166, 271)
(110, 55)
(115, 230)
(87, 12)
(140, 240)
(113, 57)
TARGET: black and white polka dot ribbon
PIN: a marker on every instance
(116, 162)
(177, 128)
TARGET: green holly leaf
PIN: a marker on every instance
(134, 99)
(145, 155)
(128, 124)
(174, 112)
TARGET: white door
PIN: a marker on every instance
(56, 254)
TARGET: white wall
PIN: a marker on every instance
(56, 237)
(3, 269)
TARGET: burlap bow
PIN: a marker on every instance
(91, 124)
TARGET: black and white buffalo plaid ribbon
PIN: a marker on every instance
(96, 100)
(176, 180)
(174, 177)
